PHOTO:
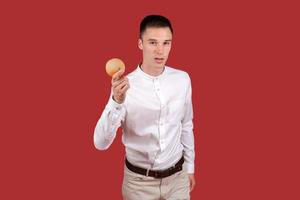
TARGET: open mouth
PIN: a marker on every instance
(159, 60)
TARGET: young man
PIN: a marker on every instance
(153, 105)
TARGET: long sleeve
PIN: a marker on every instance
(187, 135)
(108, 124)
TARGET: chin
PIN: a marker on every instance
(162, 65)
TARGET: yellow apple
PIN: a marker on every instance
(113, 65)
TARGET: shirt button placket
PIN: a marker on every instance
(160, 123)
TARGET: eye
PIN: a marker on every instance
(153, 42)
(167, 43)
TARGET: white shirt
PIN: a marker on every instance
(156, 119)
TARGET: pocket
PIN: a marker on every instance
(129, 175)
(186, 180)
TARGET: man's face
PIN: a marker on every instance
(156, 45)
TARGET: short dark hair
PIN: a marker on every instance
(156, 21)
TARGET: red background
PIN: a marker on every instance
(243, 58)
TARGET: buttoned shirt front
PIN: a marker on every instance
(156, 119)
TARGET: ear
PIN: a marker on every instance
(140, 44)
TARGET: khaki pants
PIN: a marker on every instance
(139, 187)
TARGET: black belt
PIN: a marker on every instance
(156, 174)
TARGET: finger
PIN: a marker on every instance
(115, 82)
(118, 82)
(122, 83)
(125, 88)
(126, 81)
(192, 185)
(118, 75)
(120, 86)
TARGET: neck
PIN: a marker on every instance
(151, 70)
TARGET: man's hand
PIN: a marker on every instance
(120, 85)
(192, 181)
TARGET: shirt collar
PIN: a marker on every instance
(145, 75)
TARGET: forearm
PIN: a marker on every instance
(187, 140)
(187, 137)
(108, 124)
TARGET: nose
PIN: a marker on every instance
(159, 49)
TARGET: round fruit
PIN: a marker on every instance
(113, 65)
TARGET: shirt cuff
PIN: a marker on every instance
(114, 105)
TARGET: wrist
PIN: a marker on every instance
(117, 101)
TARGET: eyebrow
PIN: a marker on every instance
(157, 40)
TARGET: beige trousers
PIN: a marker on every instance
(139, 187)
